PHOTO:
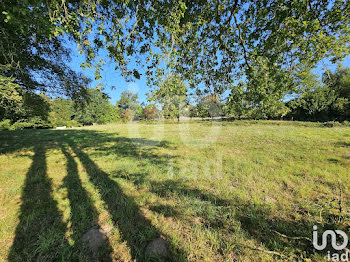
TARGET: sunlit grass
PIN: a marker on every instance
(216, 191)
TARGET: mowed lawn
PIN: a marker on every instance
(215, 191)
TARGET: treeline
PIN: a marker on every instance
(328, 100)
(33, 110)
(314, 100)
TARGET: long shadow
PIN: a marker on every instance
(134, 228)
(256, 221)
(83, 213)
(137, 148)
(40, 234)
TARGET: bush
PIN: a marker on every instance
(346, 123)
(34, 123)
(6, 125)
(128, 115)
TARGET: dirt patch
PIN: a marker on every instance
(157, 248)
(95, 237)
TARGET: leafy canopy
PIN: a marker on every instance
(213, 43)
(32, 55)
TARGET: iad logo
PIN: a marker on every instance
(334, 243)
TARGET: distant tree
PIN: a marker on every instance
(209, 106)
(151, 112)
(35, 105)
(325, 101)
(171, 94)
(189, 111)
(339, 82)
(105, 113)
(128, 115)
(62, 111)
(192, 111)
(129, 100)
(97, 110)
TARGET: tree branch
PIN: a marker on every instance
(242, 42)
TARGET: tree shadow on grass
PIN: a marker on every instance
(134, 228)
(258, 223)
(83, 213)
(40, 234)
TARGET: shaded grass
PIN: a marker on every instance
(40, 232)
(215, 191)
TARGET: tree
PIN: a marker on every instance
(62, 111)
(209, 106)
(129, 100)
(128, 115)
(171, 94)
(210, 43)
(339, 81)
(313, 104)
(319, 101)
(32, 55)
(259, 99)
(11, 99)
(97, 110)
(150, 112)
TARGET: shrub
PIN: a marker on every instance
(6, 125)
(346, 123)
(34, 122)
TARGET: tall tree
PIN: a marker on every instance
(150, 112)
(171, 94)
(209, 106)
(62, 111)
(33, 56)
(129, 100)
(319, 101)
(98, 109)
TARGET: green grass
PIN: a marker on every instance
(216, 191)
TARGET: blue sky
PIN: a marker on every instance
(111, 77)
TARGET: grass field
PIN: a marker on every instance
(215, 191)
